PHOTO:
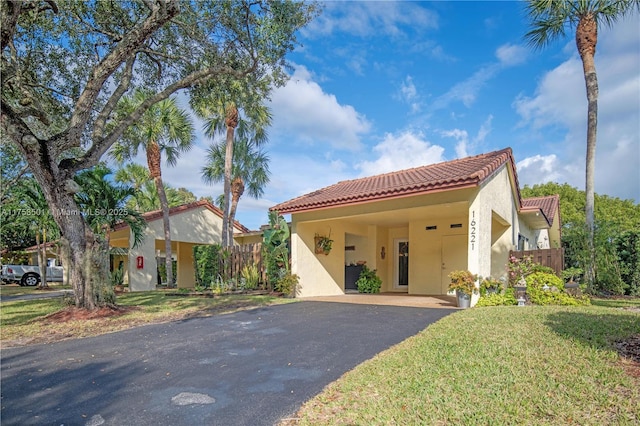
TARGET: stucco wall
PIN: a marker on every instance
(426, 263)
(196, 226)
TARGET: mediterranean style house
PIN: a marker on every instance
(415, 226)
(197, 223)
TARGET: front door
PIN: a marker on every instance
(454, 257)
(401, 273)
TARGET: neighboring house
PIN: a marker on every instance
(192, 224)
(415, 226)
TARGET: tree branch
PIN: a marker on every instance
(98, 126)
(100, 146)
(15, 129)
(161, 12)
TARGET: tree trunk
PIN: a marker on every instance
(237, 189)
(81, 243)
(586, 40)
(231, 122)
(154, 160)
(41, 248)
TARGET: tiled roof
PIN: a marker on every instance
(548, 205)
(450, 175)
(157, 214)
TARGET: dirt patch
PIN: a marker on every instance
(72, 313)
(629, 349)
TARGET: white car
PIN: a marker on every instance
(28, 275)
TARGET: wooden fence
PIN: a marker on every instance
(246, 254)
(553, 258)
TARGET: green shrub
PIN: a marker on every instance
(287, 284)
(117, 276)
(539, 279)
(555, 295)
(368, 281)
(507, 298)
(250, 276)
(207, 263)
(538, 296)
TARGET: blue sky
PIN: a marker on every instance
(383, 86)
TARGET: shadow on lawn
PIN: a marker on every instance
(596, 330)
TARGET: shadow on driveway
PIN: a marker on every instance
(246, 368)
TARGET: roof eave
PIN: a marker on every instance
(350, 202)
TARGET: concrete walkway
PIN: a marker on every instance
(391, 299)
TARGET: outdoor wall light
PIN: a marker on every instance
(521, 290)
(383, 253)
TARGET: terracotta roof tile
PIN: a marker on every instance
(157, 214)
(548, 205)
(456, 174)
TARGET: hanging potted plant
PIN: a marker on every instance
(323, 243)
(464, 284)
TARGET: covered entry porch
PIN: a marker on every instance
(413, 244)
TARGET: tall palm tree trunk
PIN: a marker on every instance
(154, 160)
(231, 122)
(586, 40)
(237, 189)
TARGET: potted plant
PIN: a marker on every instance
(490, 286)
(464, 284)
(323, 243)
(368, 281)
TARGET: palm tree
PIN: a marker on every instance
(250, 170)
(146, 197)
(104, 205)
(550, 20)
(238, 108)
(163, 128)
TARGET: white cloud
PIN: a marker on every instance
(511, 54)
(540, 169)
(302, 110)
(409, 94)
(368, 18)
(402, 151)
(560, 102)
(465, 146)
(467, 90)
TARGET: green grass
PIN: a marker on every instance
(539, 365)
(16, 290)
(25, 322)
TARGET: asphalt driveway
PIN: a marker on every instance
(247, 368)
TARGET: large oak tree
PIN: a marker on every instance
(66, 65)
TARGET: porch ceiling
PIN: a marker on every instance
(394, 218)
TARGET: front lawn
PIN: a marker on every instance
(39, 321)
(537, 365)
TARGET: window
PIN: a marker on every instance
(523, 242)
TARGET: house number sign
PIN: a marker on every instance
(472, 230)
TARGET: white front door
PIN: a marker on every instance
(401, 263)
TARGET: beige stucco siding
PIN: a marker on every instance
(493, 207)
(188, 228)
(426, 262)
